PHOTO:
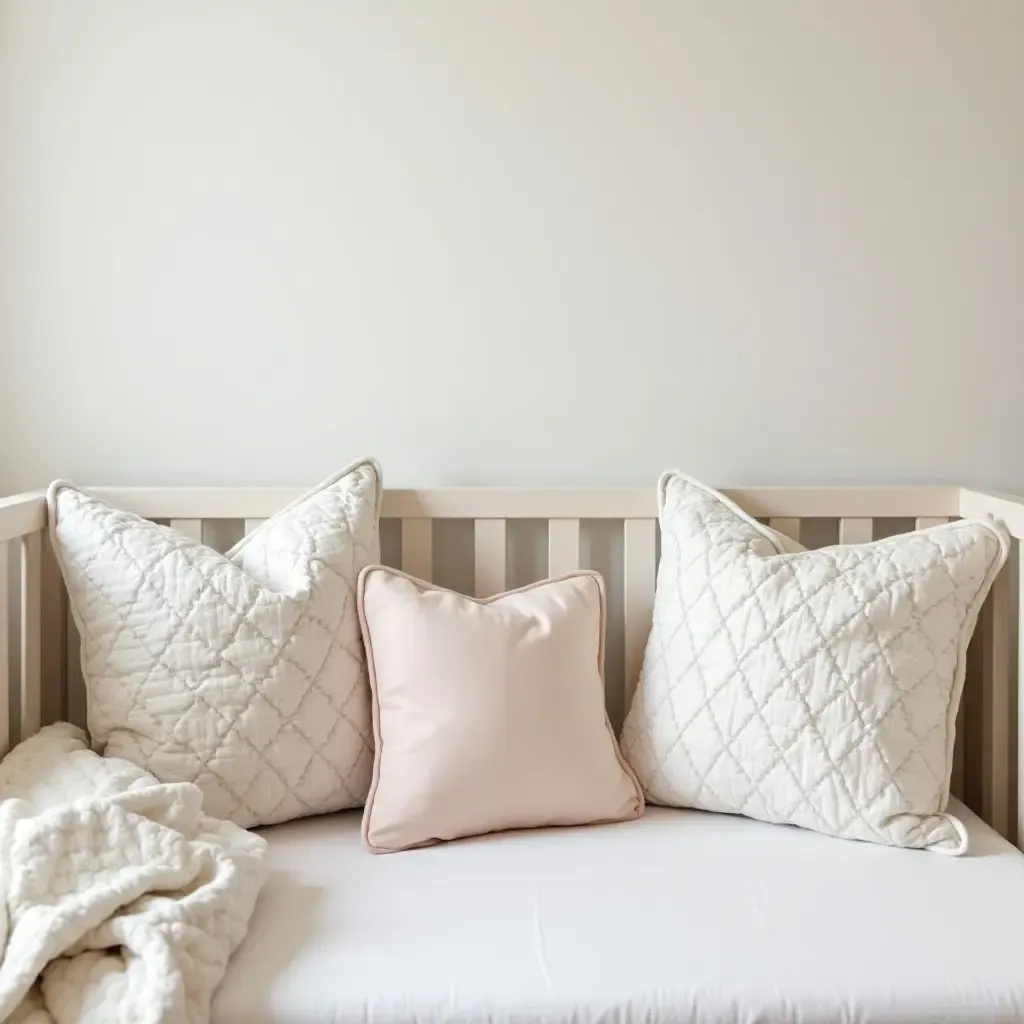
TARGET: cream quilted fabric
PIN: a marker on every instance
(243, 673)
(818, 688)
(120, 902)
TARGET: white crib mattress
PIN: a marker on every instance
(681, 916)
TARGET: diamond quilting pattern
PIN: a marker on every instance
(816, 688)
(243, 673)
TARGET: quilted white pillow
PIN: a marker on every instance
(243, 673)
(818, 688)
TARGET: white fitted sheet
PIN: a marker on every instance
(680, 916)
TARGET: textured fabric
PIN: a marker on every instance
(120, 902)
(487, 715)
(679, 917)
(243, 673)
(818, 688)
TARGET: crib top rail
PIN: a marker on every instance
(25, 513)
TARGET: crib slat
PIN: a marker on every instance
(563, 546)
(639, 568)
(31, 634)
(252, 524)
(418, 548)
(855, 530)
(75, 704)
(1020, 694)
(786, 526)
(5, 665)
(489, 547)
(192, 528)
(958, 775)
(995, 636)
(54, 616)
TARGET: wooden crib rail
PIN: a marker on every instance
(535, 503)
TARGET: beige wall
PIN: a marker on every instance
(512, 241)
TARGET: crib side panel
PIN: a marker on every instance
(483, 539)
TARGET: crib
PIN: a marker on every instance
(482, 541)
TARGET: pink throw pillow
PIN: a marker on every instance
(487, 715)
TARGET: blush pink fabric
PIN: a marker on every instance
(487, 715)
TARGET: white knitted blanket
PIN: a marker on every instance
(120, 901)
